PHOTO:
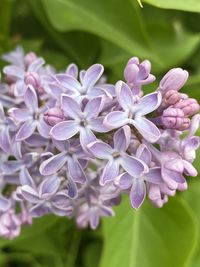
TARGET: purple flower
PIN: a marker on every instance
(10, 225)
(45, 197)
(135, 182)
(116, 156)
(134, 112)
(31, 117)
(138, 74)
(83, 120)
(25, 77)
(71, 154)
(87, 87)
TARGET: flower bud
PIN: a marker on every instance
(173, 118)
(173, 80)
(188, 106)
(32, 78)
(10, 225)
(29, 58)
(53, 116)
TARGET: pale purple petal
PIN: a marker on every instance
(149, 103)
(72, 70)
(36, 140)
(43, 128)
(154, 176)
(14, 71)
(20, 115)
(189, 169)
(70, 107)
(11, 166)
(122, 138)
(5, 140)
(124, 181)
(53, 164)
(36, 65)
(124, 95)
(20, 88)
(64, 130)
(137, 193)
(92, 75)
(4, 204)
(86, 137)
(133, 166)
(49, 187)
(30, 98)
(76, 172)
(29, 194)
(147, 129)
(100, 149)
(144, 154)
(72, 189)
(93, 107)
(26, 130)
(97, 125)
(69, 82)
(110, 172)
(116, 119)
(25, 178)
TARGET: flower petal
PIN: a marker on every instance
(137, 193)
(53, 164)
(93, 107)
(110, 172)
(149, 103)
(92, 75)
(122, 138)
(76, 172)
(29, 194)
(72, 70)
(11, 166)
(64, 130)
(70, 107)
(5, 140)
(144, 154)
(100, 149)
(133, 166)
(14, 71)
(86, 137)
(30, 98)
(49, 187)
(43, 128)
(36, 64)
(116, 119)
(154, 176)
(124, 95)
(26, 130)
(97, 125)
(147, 129)
(25, 178)
(19, 115)
(124, 181)
(69, 82)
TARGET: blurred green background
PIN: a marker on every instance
(110, 32)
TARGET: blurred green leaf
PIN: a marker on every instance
(149, 237)
(192, 198)
(123, 24)
(187, 5)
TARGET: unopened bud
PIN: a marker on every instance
(53, 116)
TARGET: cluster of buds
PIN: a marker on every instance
(72, 144)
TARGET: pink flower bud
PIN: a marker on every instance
(33, 79)
(53, 116)
(173, 80)
(171, 97)
(188, 106)
(172, 118)
(29, 58)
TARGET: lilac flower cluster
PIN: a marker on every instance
(71, 144)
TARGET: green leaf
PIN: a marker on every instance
(149, 237)
(192, 198)
(123, 23)
(186, 5)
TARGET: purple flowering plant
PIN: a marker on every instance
(72, 144)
